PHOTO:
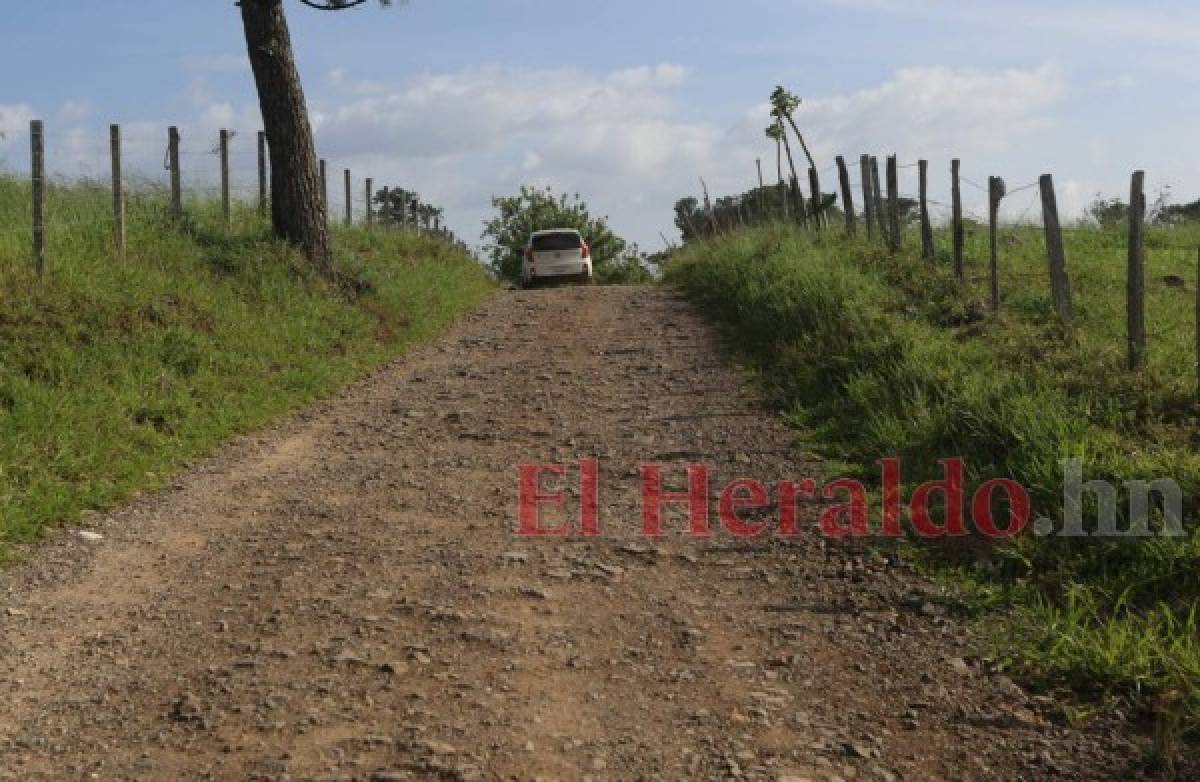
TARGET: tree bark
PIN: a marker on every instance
(297, 212)
(782, 186)
(799, 135)
(796, 193)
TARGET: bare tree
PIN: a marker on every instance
(298, 212)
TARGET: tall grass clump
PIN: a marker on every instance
(875, 356)
(113, 372)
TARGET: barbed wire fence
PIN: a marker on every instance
(877, 206)
(142, 165)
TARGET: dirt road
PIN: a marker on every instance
(343, 597)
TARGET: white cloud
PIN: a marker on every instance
(617, 138)
(74, 111)
(486, 108)
(986, 118)
(624, 140)
(15, 118)
(922, 110)
(665, 75)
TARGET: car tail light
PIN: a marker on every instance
(587, 251)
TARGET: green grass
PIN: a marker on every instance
(875, 356)
(113, 373)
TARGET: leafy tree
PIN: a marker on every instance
(632, 267)
(783, 107)
(1112, 212)
(429, 216)
(536, 209)
(753, 207)
(1173, 214)
(1108, 212)
(403, 208)
(298, 211)
(689, 218)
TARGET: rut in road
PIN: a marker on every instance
(343, 596)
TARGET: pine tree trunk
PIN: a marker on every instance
(297, 209)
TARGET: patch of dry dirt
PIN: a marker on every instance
(342, 597)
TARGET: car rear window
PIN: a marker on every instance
(556, 242)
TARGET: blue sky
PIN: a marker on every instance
(628, 103)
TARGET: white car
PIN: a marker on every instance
(559, 255)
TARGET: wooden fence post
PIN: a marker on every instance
(1136, 281)
(176, 172)
(226, 202)
(262, 173)
(713, 226)
(957, 217)
(349, 199)
(762, 190)
(996, 191)
(118, 191)
(927, 250)
(893, 196)
(1060, 284)
(817, 201)
(877, 195)
(847, 195)
(37, 143)
(325, 189)
(864, 165)
(370, 207)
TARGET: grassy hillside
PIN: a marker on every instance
(112, 373)
(879, 357)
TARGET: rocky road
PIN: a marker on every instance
(343, 596)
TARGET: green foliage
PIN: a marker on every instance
(1114, 213)
(1108, 212)
(754, 207)
(783, 104)
(1177, 214)
(878, 356)
(632, 267)
(535, 209)
(114, 373)
(401, 208)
